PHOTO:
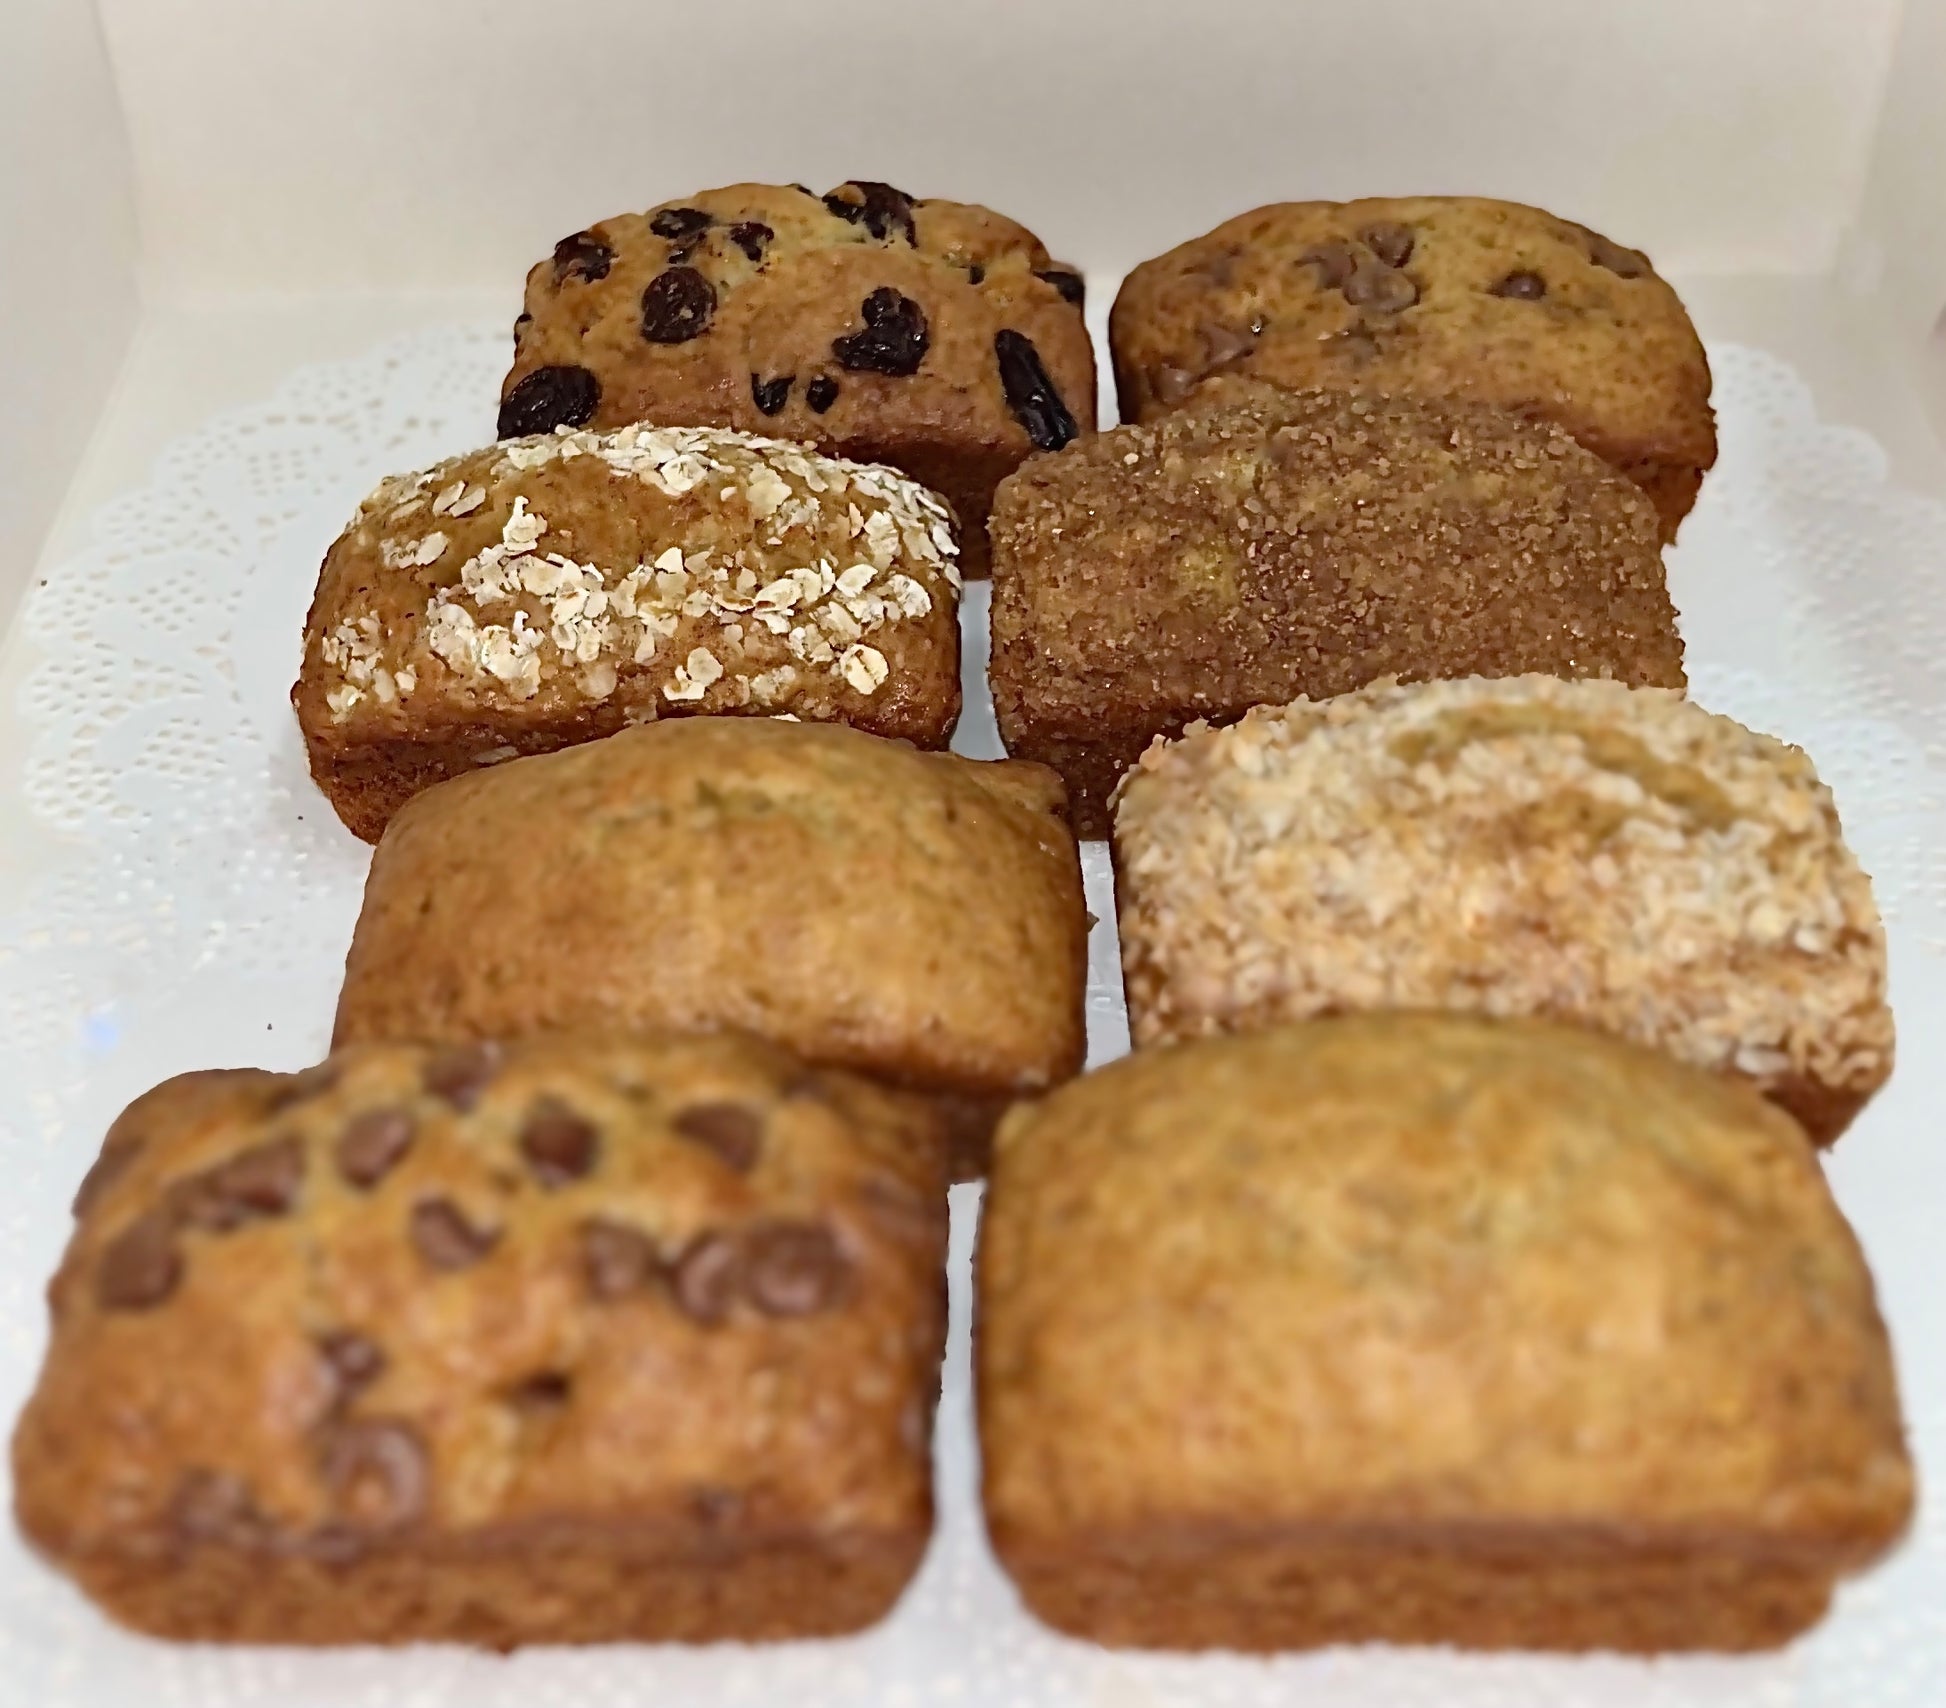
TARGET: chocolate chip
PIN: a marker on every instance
(714, 1505)
(372, 1143)
(1223, 343)
(1522, 286)
(541, 1396)
(141, 1266)
(707, 1277)
(806, 190)
(795, 1268)
(750, 235)
(1627, 263)
(354, 1362)
(734, 1131)
(771, 395)
(461, 1073)
(677, 306)
(216, 1507)
(1379, 287)
(895, 339)
(1036, 405)
(1172, 385)
(1335, 263)
(880, 208)
(617, 1259)
(262, 1181)
(582, 256)
(445, 1238)
(1392, 244)
(300, 1087)
(377, 1471)
(559, 1144)
(821, 393)
(116, 1155)
(1072, 286)
(678, 223)
(559, 396)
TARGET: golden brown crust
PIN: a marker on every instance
(1263, 543)
(553, 590)
(1488, 300)
(1345, 1307)
(1610, 856)
(506, 1329)
(914, 916)
(767, 286)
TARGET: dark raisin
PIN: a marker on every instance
(879, 208)
(377, 1472)
(750, 235)
(354, 1364)
(522, 321)
(1380, 288)
(617, 1259)
(460, 1074)
(1392, 244)
(895, 339)
(708, 1277)
(821, 393)
(794, 1268)
(1072, 286)
(1522, 286)
(141, 1266)
(262, 1181)
(583, 256)
(559, 396)
(734, 1131)
(559, 1144)
(678, 223)
(542, 1396)
(976, 274)
(443, 1236)
(1036, 405)
(1335, 263)
(216, 1507)
(372, 1143)
(771, 395)
(677, 306)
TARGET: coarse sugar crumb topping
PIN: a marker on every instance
(776, 565)
(1515, 846)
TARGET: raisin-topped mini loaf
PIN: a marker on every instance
(1427, 1329)
(553, 589)
(935, 336)
(1613, 856)
(1449, 296)
(916, 916)
(1259, 544)
(562, 1341)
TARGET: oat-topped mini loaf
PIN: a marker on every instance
(1612, 856)
(563, 1342)
(1426, 1329)
(917, 916)
(1262, 544)
(553, 589)
(935, 336)
(1447, 296)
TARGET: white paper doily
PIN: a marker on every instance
(203, 905)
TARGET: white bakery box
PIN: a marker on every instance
(256, 253)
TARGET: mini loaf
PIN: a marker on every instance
(915, 916)
(1262, 544)
(1445, 296)
(1426, 1329)
(551, 590)
(935, 336)
(1611, 856)
(565, 1341)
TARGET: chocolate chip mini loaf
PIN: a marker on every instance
(551, 590)
(1263, 544)
(1449, 296)
(1611, 856)
(935, 336)
(916, 916)
(564, 1341)
(1426, 1329)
